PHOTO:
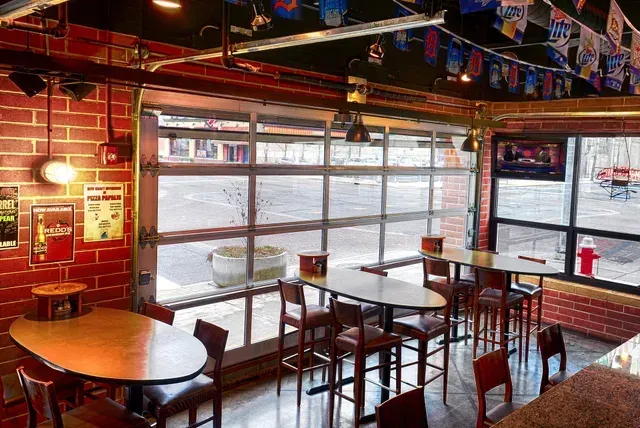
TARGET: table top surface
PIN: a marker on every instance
(112, 345)
(481, 259)
(604, 394)
(375, 289)
(59, 289)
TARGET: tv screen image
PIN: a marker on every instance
(528, 158)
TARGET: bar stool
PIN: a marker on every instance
(495, 298)
(492, 370)
(369, 310)
(361, 340)
(470, 277)
(305, 317)
(530, 292)
(407, 410)
(428, 327)
(551, 343)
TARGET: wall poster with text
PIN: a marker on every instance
(52, 233)
(103, 212)
(9, 217)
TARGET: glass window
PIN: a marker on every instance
(550, 245)
(530, 200)
(352, 247)
(409, 148)
(402, 240)
(287, 199)
(619, 260)
(407, 193)
(355, 196)
(448, 153)
(357, 154)
(289, 141)
(453, 228)
(228, 315)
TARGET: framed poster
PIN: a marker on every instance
(103, 212)
(9, 217)
(52, 233)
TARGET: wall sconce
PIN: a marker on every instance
(58, 172)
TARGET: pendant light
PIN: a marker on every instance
(260, 21)
(471, 143)
(169, 4)
(358, 133)
(376, 50)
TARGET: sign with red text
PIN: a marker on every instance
(52, 233)
(9, 217)
(103, 212)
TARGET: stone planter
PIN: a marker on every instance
(229, 272)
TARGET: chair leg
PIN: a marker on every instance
(539, 317)
(332, 381)
(313, 338)
(193, 415)
(357, 388)
(380, 354)
(466, 316)
(494, 327)
(217, 411)
(339, 354)
(528, 330)
(487, 326)
(521, 313)
(301, 333)
(280, 356)
(422, 362)
(445, 380)
(327, 334)
(504, 322)
(476, 328)
(398, 370)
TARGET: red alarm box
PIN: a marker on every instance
(108, 154)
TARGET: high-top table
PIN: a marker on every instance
(386, 292)
(112, 346)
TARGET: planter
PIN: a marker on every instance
(230, 271)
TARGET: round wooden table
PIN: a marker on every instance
(112, 346)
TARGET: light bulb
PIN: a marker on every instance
(58, 172)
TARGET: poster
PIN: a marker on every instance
(558, 86)
(547, 85)
(431, 45)
(103, 212)
(475, 64)
(514, 77)
(52, 233)
(558, 37)
(588, 55)
(469, 6)
(615, 25)
(511, 21)
(333, 13)
(454, 56)
(402, 38)
(531, 80)
(9, 217)
(495, 72)
(615, 71)
(579, 4)
(634, 65)
(288, 9)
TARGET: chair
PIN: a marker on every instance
(158, 313)
(551, 343)
(470, 277)
(168, 400)
(425, 327)
(42, 402)
(304, 317)
(530, 292)
(406, 410)
(492, 370)
(352, 335)
(369, 310)
(495, 299)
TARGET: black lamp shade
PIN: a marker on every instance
(260, 21)
(471, 143)
(358, 133)
(30, 84)
(77, 91)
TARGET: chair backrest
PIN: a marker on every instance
(492, 370)
(347, 315)
(406, 410)
(535, 260)
(158, 313)
(41, 400)
(214, 340)
(491, 279)
(551, 343)
(435, 267)
(374, 271)
(294, 294)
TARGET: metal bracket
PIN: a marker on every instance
(472, 209)
(150, 237)
(151, 166)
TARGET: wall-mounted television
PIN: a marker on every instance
(529, 158)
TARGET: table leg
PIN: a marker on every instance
(135, 400)
(506, 333)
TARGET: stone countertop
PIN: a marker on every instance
(604, 394)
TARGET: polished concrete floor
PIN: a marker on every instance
(256, 405)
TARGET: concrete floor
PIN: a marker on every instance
(256, 405)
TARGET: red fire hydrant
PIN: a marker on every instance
(587, 254)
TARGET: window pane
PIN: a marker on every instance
(448, 153)
(201, 202)
(409, 148)
(619, 262)
(352, 247)
(402, 240)
(530, 200)
(354, 196)
(285, 199)
(200, 268)
(228, 315)
(290, 141)
(450, 191)
(517, 241)
(452, 228)
(356, 154)
(277, 255)
(407, 193)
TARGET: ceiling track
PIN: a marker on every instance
(569, 114)
(18, 8)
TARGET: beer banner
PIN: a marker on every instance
(103, 212)
(495, 72)
(431, 45)
(634, 65)
(547, 85)
(588, 54)
(516, 2)
(615, 25)
(52, 233)
(469, 6)
(288, 9)
(558, 87)
(579, 4)
(333, 13)
(568, 81)
(596, 82)
(455, 56)
(475, 64)
(615, 71)
(401, 38)
(530, 81)
(514, 77)
(559, 35)
(9, 217)
(511, 21)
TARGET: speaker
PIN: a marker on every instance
(30, 84)
(77, 91)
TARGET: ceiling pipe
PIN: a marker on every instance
(569, 114)
(60, 31)
(18, 8)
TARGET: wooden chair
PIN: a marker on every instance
(551, 343)
(158, 313)
(471, 277)
(530, 292)
(425, 327)
(495, 299)
(304, 317)
(492, 370)
(352, 336)
(168, 400)
(407, 410)
(369, 310)
(42, 402)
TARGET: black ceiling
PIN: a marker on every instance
(406, 69)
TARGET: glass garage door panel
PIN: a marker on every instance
(229, 315)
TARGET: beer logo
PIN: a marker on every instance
(587, 56)
(283, 4)
(512, 13)
(560, 31)
(58, 231)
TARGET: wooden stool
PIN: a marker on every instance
(530, 292)
(305, 317)
(551, 343)
(492, 370)
(407, 410)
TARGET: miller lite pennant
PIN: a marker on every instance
(531, 80)
(401, 38)
(431, 45)
(596, 82)
(511, 21)
(567, 85)
(547, 85)
(514, 77)
(588, 55)
(475, 64)
(516, 2)
(238, 2)
(558, 85)
(455, 56)
(469, 6)
(559, 35)
(615, 71)
(634, 65)
(579, 4)
(495, 72)
(333, 13)
(288, 9)
(615, 25)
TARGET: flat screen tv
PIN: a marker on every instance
(529, 158)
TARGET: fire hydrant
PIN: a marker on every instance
(587, 254)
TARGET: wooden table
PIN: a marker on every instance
(604, 394)
(378, 290)
(112, 346)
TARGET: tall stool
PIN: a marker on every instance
(497, 300)
(425, 327)
(551, 343)
(304, 317)
(530, 292)
(361, 340)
